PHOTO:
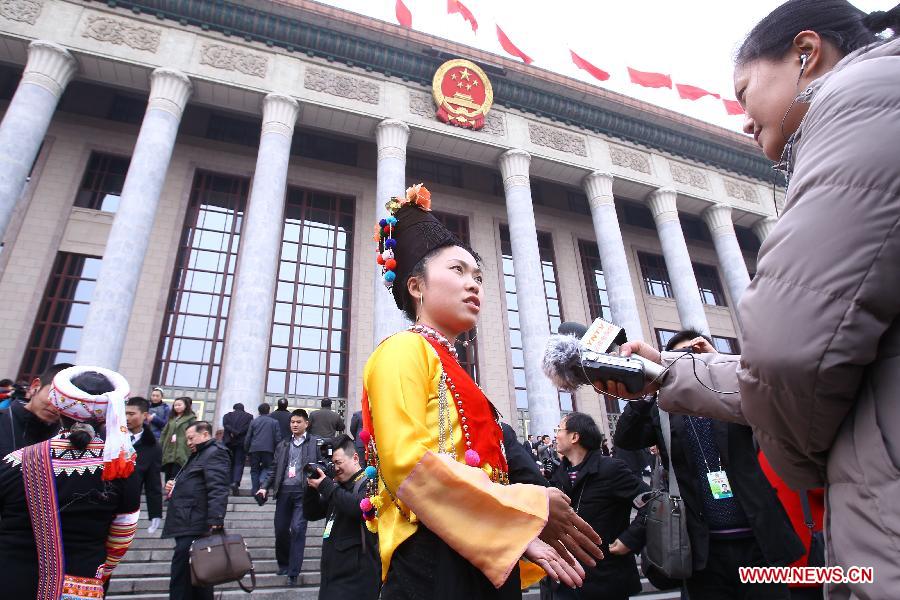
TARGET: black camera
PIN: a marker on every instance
(325, 463)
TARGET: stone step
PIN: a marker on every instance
(141, 585)
(156, 543)
(312, 593)
(261, 522)
(165, 555)
(162, 568)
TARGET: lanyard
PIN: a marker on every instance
(700, 446)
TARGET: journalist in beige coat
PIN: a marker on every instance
(819, 378)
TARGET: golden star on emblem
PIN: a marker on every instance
(465, 74)
(475, 82)
(453, 76)
(460, 84)
(469, 86)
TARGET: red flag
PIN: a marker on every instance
(404, 17)
(510, 47)
(455, 6)
(583, 64)
(733, 107)
(690, 92)
(653, 80)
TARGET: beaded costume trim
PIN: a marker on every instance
(67, 460)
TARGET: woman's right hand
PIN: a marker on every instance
(569, 534)
(566, 571)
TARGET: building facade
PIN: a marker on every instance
(189, 189)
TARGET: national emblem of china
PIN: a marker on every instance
(463, 94)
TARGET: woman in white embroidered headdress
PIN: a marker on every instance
(67, 513)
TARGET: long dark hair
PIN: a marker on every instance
(837, 21)
(95, 384)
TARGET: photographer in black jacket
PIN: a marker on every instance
(198, 498)
(603, 490)
(350, 567)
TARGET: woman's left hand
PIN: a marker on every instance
(543, 555)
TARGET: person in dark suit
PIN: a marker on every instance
(351, 566)
(325, 423)
(283, 416)
(147, 468)
(356, 425)
(287, 484)
(198, 498)
(262, 438)
(749, 527)
(523, 467)
(603, 491)
(235, 425)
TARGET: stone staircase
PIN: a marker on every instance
(144, 573)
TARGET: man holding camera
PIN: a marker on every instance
(287, 483)
(351, 567)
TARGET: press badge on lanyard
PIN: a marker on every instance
(719, 485)
(718, 480)
(292, 472)
(328, 525)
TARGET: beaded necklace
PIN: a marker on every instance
(434, 334)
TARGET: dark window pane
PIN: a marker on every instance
(428, 170)
(200, 292)
(551, 296)
(309, 318)
(726, 345)
(656, 275)
(663, 336)
(709, 285)
(56, 333)
(102, 183)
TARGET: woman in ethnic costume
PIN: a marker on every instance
(448, 522)
(67, 511)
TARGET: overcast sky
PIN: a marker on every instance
(691, 40)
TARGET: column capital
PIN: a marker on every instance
(718, 219)
(169, 91)
(514, 166)
(763, 227)
(391, 135)
(598, 187)
(49, 66)
(279, 114)
(663, 204)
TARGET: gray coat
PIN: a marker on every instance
(819, 378)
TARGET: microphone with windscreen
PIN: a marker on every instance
(580, 355)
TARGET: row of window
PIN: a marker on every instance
(310, 332)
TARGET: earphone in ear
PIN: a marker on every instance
(803, 59)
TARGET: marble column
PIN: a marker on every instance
(246, 355)
(104, 331)
(543, 399)
(619, 288)
(391, 136)
(49, 69)
(731, 258)
(662, 204)
(763, 228)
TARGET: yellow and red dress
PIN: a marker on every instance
(427, 419)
